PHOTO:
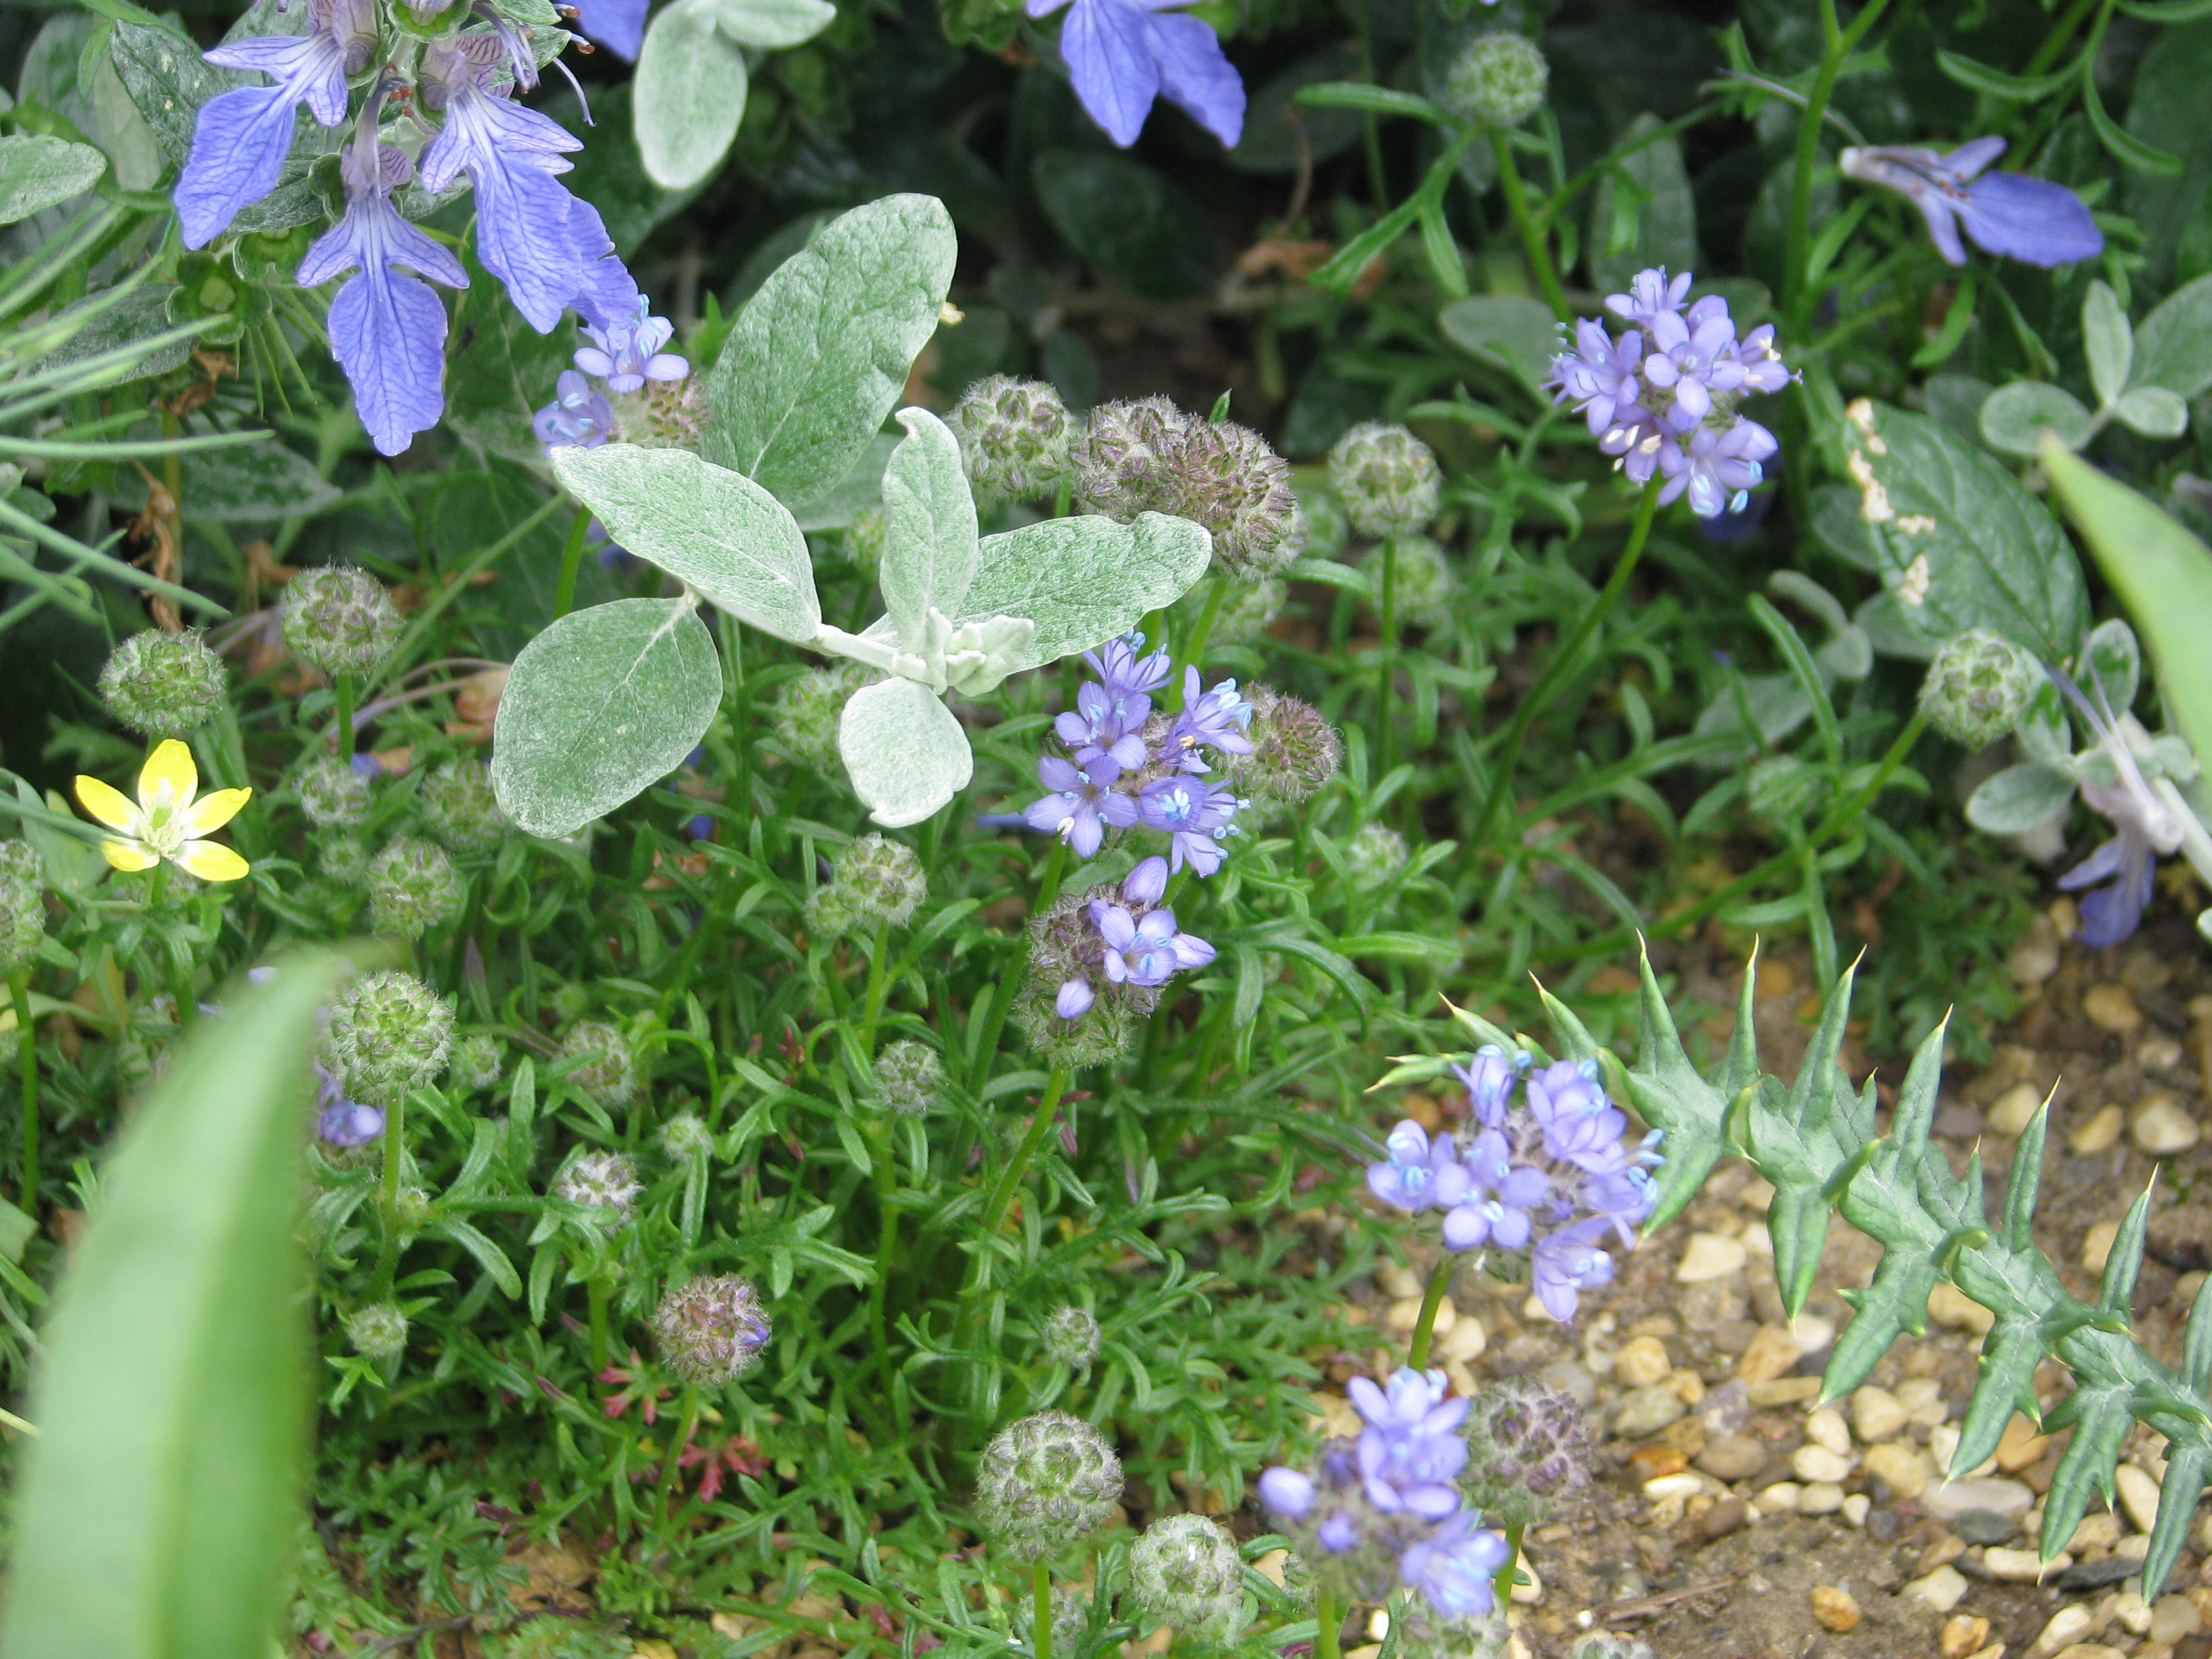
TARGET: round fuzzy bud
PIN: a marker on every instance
(711, 1331)
(803, 715)
(569, 1001)
(1385, 477)
(344, 861)
(477, 1062)
(883, 881)
(606, 1182)
(910, 1078)
(163, 685)
(1071, 1615)
(410, 1207)
(1498, 82)
(1295, 750)
(1328, 528)
(1230, 481)
(830, 912)
(864, 537)
(1978, 687)
(412, 888)
(1527, 1448)
(377, 1332)
(1185, 1571)
(607, 1072)
(1422, 585)
(1248, 610)
(457, 807)
(1123, 463)
(332, 793)
(387, 1033)
(1373, 856)
(339, 619)
(1045, 1482)
(22, 905)
(660, 414)
(684, 1137)
(1014, 437)
(1071, 1337)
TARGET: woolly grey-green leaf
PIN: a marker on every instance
(688, 94)
(905, 753)
(1084, 581)
(930, 546)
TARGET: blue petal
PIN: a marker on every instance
(525, 239)
(617, 25)
(388, 333)
(1196, 75)
(2030, 220)
(1108, 47)
(238, 150)
(608, 295)
(1942, 228)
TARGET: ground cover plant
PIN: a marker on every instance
(785, 780)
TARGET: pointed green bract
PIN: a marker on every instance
(905, 752)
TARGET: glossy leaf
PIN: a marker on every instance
(2173, 347)
(1642, 212)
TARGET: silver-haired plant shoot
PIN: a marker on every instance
(1105, 829)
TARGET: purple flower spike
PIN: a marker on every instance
(1499, 1197)
(1600, 375)
(576, 416)
(1489, 1083)
(1651, 297)
(1694, 361)
(1217, 719)
(1411, 1451)
(626, 353)
(2035, 220)
(387, 331)
(1453, 1566)
(1124, 672)
(243, 136)
(1148, 882)
(1287, 1492)
(1581, 1126)
(1418, 1172)
(1083, 802)
(1122, 54)
(1103, 723)
(1192, 814)
(1569, 1262)
(1715, 470)
(1075, 999)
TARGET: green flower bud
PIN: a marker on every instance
(1071, 1337)
(344, 861)
(1373, 856)
(163, 685)
(661, 414)
(1045, 1482)
(332, 793)
(338, 619)
(478, 1062)
(1529, 1450)
(876, 883)
(1295, 750)
(1978, 687)
(711, 1331)
(1230, 481)
(608, 1072)
(1014, 437)
(605, 1182)
(377, 1332)
(569, 1001)
(412, 888)
(684, 1137)
(388, 1032)
(910, 1078)
(1186, 1571)
(803, 713)
(22, 906)
(457, 807)
(1385, 477)
(410, 1208)
(1422, 585)
(1498, 82)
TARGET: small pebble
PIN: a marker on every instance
(2160, 1126)
(1825, 1427)
(2096, 1245)
(1948, 1305)
(2099, 1131)
(2013, 1109)
(1733, 1456)
(2173, 1618)
(1903, 1469)
(1956, 1498)
(1709, 1256)
(2130, 1610)
(2111, 1008)
(1812, 1333)
(1856, 1508)
(1923, 1396)
(1770, 1356)
(1835, 1609)
(2033, 959)
(1780, 1499)
(1646, 1411)
(1785, 1391)
(1882, 1525)
(1963, 1632)
(1572, 1378)
(1641, 1362)
(2067, 1625)
(1984, 1526)
(2158, 1052)
(1821, 1497)
(2022, 1566)
(1877, 1414)
(2138, 1495)
(1939, 1591)
(2021, 1446)
(1464, 1341)
(1818, 1463)
(1723, 1518)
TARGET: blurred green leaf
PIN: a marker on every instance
(1642, 212)
(690, 95)
(1140, 229)
(2014, 417)
(36, 174)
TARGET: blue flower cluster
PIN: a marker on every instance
(388, 327)
(1545, 1170)
(1142, 946)
(1661, 398)
(1386, 1507)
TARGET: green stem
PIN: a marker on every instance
(1425, 1327)
(994, 1012)
(871, 1008)
(1556, 670)
(571, 559)
(1193, 655)
(345, 690)
(1329, 1626)
(1040, 1594)
(597, 1291)
(886, 1253)
(2055, 42)
(1002, 1195)
(1532, 233)
(1503, 1584)
(27, 1046)
(687, 1420)
(1386, 677)
(387, 1199)
(1839, 43)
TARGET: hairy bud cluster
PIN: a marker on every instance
(875, 882)
(605, 1070)
(163, 685)
(661, 414)
(338, 619)
(22, 905)
(1045, 1482)
(1373, 856)
(332, 793)
(606, 1182)
(711, 1331)
(1385, 477)
(412, 888)
(388, 1032)
(1499, 81)
(377, 1331)
(1295, 750)
(1978, 687)
(1071, 1337)
(803, 715)
(1065, 944)
(1527, 1450)
(1185, 1571)
(1014, 436)
(477, 1062)
(1422, 586)
(457, 807)
(685, 1137)
(1148, 456)
(344, 861)
(910, 1078)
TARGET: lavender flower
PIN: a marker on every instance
(1489, 1078)
(1694, 358)
(1122, 54)
(1602, 374)
(1454, 1567)
(577, 414)
(1123, 672)
(1192, 814)
(617, 25)
(1651, 294)
(1288, 1493)
(1120, 936)
(1499, 1196)
(1417, 1171)
(2146, 828)
(243, 134)
(1218, 719)
(340, 1122)
(2035, 221)
(1410, 1453)
(626, 352)
(1105, 726)
(387, 331)
(1148, 953)
(1580, 1126)
(1569, 1262)
(1083, 802)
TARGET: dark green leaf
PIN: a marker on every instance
(1138, 226)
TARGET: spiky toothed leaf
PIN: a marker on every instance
(1796, 1143)
(2197, 1345)
(2005, 1383)
(2116, 1294)
(2178, 1490)
(1667, 1091)
(2100, 1417)
(1576, 1042)
(2025, 1180)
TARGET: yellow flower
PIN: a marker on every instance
(165, 821)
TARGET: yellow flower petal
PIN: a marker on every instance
(128, 855)
(106, 803)
(210, 812)
(168, 770)
(210, 861)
